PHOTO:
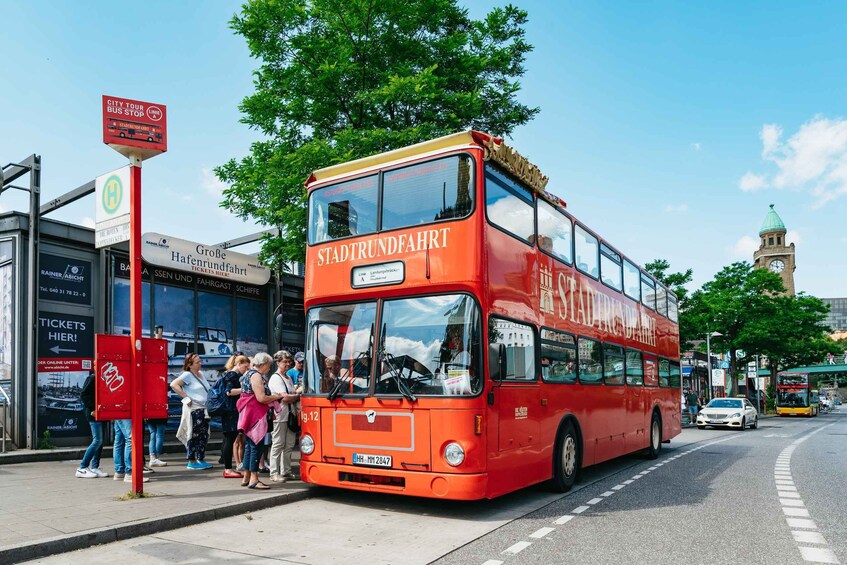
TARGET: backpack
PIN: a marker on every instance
(218, 403)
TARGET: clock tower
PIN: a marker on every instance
(773, 253)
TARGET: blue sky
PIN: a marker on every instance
(668, 127)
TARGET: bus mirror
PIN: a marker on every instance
(278, 328)
(497, 361)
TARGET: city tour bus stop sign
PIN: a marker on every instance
(138, 130)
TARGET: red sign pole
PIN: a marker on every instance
(137, 389)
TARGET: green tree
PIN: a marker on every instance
(676, 282)
(344, 80)
(750, 309)
(735, 302)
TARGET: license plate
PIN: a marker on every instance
(371, 460)
(716, 421)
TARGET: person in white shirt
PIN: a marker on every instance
(282, 437)
(191, 385)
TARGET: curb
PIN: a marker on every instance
(82, 540)
(77, 453)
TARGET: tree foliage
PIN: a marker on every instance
(344, 80)
(749, 309)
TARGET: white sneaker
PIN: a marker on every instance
(85, 474)
(158, 463)
(128, 479)
(99, 472)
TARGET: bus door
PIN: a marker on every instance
(515, 393)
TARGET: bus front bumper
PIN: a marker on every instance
(471, 486)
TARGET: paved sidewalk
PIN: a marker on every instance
(45, 510)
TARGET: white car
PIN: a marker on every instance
(728, 412)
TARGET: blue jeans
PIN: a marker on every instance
(95, 450)
(252, 452)
(157, 438)
(122, 451)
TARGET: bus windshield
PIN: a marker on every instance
(427, 346)
(414, 195)
(792, 398)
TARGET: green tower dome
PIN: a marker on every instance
(772, 222)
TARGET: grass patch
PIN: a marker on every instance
(134, 496)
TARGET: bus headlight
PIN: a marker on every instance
(453, 454)
(307, 444)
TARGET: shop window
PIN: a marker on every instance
(251, 322)
(120, 307)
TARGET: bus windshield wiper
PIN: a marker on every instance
(335, 392)
(395, 372)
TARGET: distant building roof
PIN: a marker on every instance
(772, 222)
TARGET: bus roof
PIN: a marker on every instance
(495, 150)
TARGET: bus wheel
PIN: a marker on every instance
(655, 437)
(566, 458)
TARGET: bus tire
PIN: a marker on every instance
(655, 446)
(566, 456)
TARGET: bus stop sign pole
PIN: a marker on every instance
(135, 324)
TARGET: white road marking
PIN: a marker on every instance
(492, 562)
(807, 537)
(608, 493)
(594, 501)
(579, 509)
(796, 514)
(564, 519)
(518, 547)
(540, 533)
(628, 482)
(618, 487)
(818, 555)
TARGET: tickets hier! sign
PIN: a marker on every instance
(133, 127)
(112, 367)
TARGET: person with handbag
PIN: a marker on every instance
(285, 425)
(235, 368)
(253, 405)
(193, 430)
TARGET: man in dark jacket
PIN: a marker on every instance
(89, 468)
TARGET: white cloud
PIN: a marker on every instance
(696, 146)
(751, 182)
(88, 222)
(211, 183)
(770, 135)
(743, 248)
(792, 236)
(676, 208)
(813, 160)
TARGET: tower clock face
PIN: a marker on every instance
(776, 266)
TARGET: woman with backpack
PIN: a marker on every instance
(235, 367)
(193, 430)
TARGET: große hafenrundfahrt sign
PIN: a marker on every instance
(174, 253)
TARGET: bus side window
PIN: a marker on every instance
(519, 343)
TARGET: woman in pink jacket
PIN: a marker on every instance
(253, 405)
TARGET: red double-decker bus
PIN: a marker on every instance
(467, 336)
(135, 130)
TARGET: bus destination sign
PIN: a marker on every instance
(133, 127)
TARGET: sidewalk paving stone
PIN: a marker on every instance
(45, 509)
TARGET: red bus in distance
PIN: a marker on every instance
(467, 336)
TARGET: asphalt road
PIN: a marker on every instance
(773, 495)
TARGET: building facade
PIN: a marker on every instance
(774, 253)
(82, 291)
(837, 317)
